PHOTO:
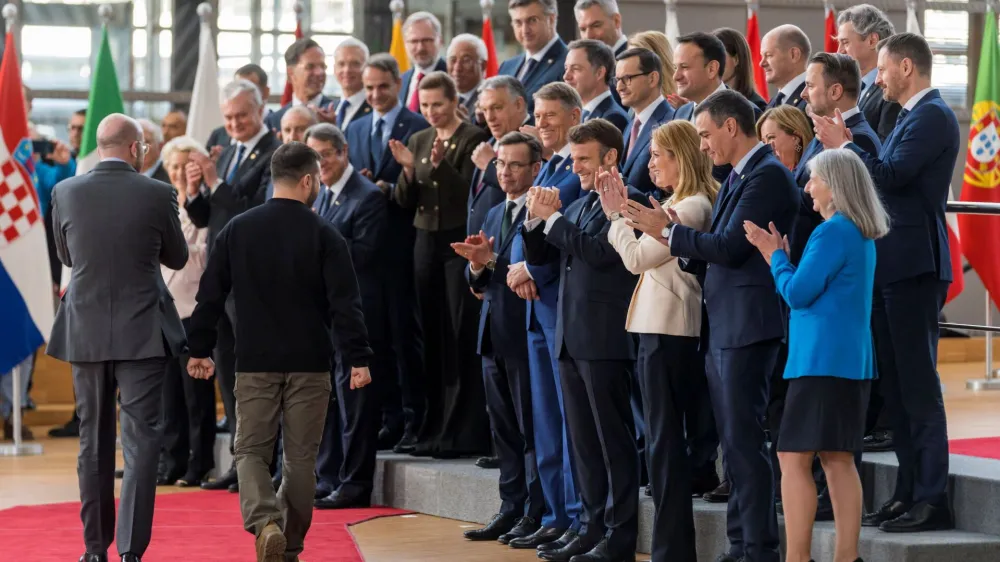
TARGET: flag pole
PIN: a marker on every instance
(19, 448)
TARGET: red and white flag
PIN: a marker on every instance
(753, 38)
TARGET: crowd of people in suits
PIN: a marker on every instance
(595, 271)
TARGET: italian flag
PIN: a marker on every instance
(105, 99)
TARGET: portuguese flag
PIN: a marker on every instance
(981, 182)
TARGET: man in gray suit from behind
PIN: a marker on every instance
(117, 326)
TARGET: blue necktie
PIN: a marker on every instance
(377, 148)
(585, 116)
(902, 115)
(342, 113)
(236, 163)
(549, 170)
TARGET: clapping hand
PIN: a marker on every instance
(328, 115)
(483, 155)
(360, 376)
(201, 368)
(208, 173)
(476, 248)
(401, 154)
(677, 101)
(192, 173)
(438, 151)
(214, 154)
(831, 131)
(650, 221)
(611, 188)
(767, 241)
(543, 202)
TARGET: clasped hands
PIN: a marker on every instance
(766, 241)
(199, 169)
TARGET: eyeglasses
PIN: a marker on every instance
(627, 79)
(141, 147)
(515, 167)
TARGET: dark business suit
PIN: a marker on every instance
(686, 112)
(214, 209)
(635, 160)
(347, 452)
(220, 137)
(456, 412)
(913, 177)
(550, 69)
(365, 109)
(757, 101)
(118, 327)
(273, 119)
(502, 343)
(160, 173)
(880, 113)
(407, 77)
(747, 325)
(609, 110)
(484, 194)
(595, 367)
(552, 449)
(794, 99)
(402, 396)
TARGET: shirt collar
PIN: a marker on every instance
(315, 101)
(850, 112)
(618, 44)
(792, 85)
(338, 186)
(721, 87)
(419, 69)
(563, 152)
(518, 204)
(916, 98)
(869, 79)
(541, 54)
(356, 99)
(152, 169)
(738, 168)
(592, 104)
(252, 143)
(388, 119)
(647, 113)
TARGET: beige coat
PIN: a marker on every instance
(183, 284)
(666, 300)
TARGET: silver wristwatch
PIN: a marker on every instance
(615, 215)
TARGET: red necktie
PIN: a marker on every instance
(414, 104)
(633, 134)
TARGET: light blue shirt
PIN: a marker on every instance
(388, 121)
(868, 79)
(738, 168)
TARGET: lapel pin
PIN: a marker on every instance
(423, 161)
(453, 145)
(567, 167)
(336, 202)
(548, 61)
(253, 156)
(742, 177)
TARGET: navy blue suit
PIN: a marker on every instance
(913, 176)
(484, 194)
(550, 69)
(808, 219)
(746, 327)
(503, 345)
(402, 326)
(794, 99)
(635, 161)
(273, 119)
(611, 111)
(595, 367)
(548, 408)
(346, 457)
(686, 112)
(407, 77)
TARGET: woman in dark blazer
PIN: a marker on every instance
(830, 358)
(437, 170)
(738, 74)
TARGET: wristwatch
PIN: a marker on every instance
(665, 233)
(615, 215)
(492, 264)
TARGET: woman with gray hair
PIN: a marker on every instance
(830, 357)
(187, 454)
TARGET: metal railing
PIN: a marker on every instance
(991, 380)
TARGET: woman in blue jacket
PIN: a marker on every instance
(830, 358)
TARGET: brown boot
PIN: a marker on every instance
(8, 432)
(271, 544)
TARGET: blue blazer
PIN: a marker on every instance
(808, 219)
(359, 143)
(830, 295)
(611, 111)
(502, 314)
(550, 69)
(913, 176)
(408, 76)
(738, 288)
(635, 167)
(273, 119)
(489, 196)
(595, 288)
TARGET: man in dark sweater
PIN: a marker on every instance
(293, 282)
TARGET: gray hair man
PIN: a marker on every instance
(348, 59)
(423, 41)
(467, 58)
(152, 165)
(601, 20)
(859, 30)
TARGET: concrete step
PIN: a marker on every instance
(457, 489)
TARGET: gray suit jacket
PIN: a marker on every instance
(114, 227)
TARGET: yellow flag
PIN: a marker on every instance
(398, 49)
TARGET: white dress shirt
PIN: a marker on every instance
(250, 145)
(592, 104)
(646, 114)
(315, 101)
(338, 186)
(356, 100)
(537, 57)
(789, 88)
(183, 283)
(518, 205)
(417, 70)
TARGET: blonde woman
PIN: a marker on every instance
(659, 44)
(185, 461)
(788, 132)
(666, 314)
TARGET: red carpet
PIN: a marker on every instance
(196, 526)
(984, 447)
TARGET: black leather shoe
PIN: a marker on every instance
(337, 500)
(71, 429)
(921, 517)
(500, 524)
(90, 557)
(648, 490)
(388, 438)
(889, 511)
(119, 473)
(562, 541)
(542, 536)
(234, 488)
(727, 557)
(406, 445)
(322, 492)
(488, 462)
(276, 483)
(129, 557)
(602, 553)
(579, 545)
(221, 483)
(704, 482)
(878, 441)
(719, 494)
(222, 426)
(525, 526)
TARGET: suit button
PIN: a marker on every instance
(435, 184)
(435, 207)
(569, 268)
(421, 209)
